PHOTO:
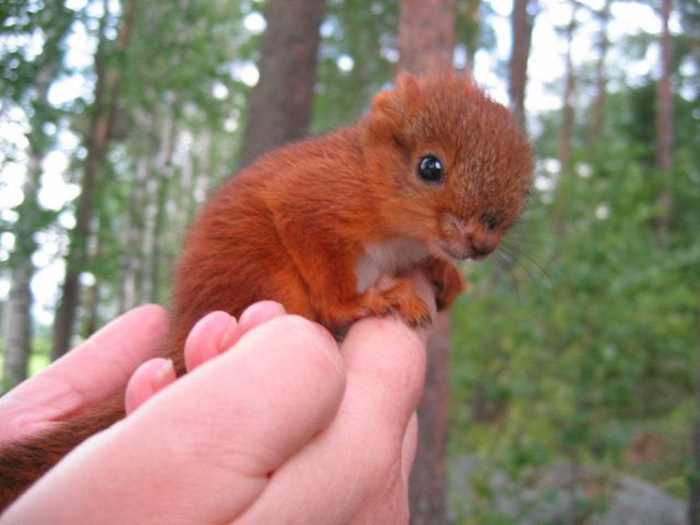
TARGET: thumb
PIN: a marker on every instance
(220, 430)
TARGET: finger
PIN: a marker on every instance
(212, 334)
(258, 313)
(386, 361)
(367, 444)
(408, 448)
(218, 331)
(87, 375)
(149, 379)
(220, 429)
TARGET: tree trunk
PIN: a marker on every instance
(565, 129)
(521, 23)
(103, 114)
(694, 495)
(567, 110)
(135, 232)
(161, 181)
(91, 322)
(664, 129)
(130, 293)
(597, 118)
(206, 177)
(426, 36)
(17, 321)
(18, 324)
(156, 248)
(426, 45)
(280, 105)
(428, 484)
(521, 26)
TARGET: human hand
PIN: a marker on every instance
(88, 375)
(281, 428)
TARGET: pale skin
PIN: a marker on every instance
(274, 423)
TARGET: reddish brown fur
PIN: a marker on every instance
(292, 226)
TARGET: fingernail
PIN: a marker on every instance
(259, 313)
(165, 376)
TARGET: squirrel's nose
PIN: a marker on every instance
(467, 238)
(479, 240)
(480, 244)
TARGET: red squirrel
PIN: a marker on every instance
(436, 172)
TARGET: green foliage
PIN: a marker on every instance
(357, 58)
(27, 76)
(594, 336)
(21, 23)
(179, 56)
(569, 346)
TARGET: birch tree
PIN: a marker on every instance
(54, 22)
(108, 70)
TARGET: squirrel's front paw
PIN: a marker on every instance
(397, 295)
(446, 279)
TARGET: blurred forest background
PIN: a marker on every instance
(576, 353)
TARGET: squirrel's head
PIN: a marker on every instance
(458, 162)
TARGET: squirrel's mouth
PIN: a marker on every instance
(462, 249)
(457, 251)
(462, 253)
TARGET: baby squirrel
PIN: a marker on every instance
(328, 227)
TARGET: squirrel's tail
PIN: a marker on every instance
(25, 461)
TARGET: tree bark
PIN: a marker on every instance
(17, 322)
(521, 23)
(91, 321)
(161, 182)
(694, 495)
(567, 110)
(280, 105)
(104, 112)
(17, 327)
(156, 248)
(597, 118)
(426, 36)
(664, 128)
(566, 126)
(426, 45)
(428, 483)
(202, 184)
(130, 293)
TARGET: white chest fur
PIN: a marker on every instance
(387, 258)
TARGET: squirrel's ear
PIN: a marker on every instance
(394, 104)
(390, 108)
(407, 86)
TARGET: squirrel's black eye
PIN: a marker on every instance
(430, 169)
